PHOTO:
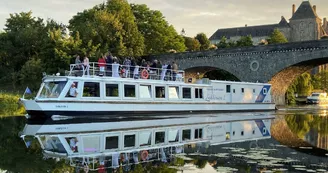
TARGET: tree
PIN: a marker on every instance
(31, 74)
(24, 35)
(59, 50)
(192, 44)
(277, 37)
(159, 36)
(223, 43)
(204, 41)
(112, 26)
(245, 41)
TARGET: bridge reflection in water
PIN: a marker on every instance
(297, 144)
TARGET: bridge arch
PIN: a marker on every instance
(212, 73)
(284, 78)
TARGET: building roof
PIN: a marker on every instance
(304, 11)
(254, 31)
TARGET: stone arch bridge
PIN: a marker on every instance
(277, 64)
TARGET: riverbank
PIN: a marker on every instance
(9, 105)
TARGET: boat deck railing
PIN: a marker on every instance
(125, 71)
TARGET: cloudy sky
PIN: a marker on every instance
(193, 15)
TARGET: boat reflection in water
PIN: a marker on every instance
(111, 143)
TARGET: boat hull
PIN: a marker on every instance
(115, 109)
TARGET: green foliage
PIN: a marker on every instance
(9, 105)
(23, 39)
(277, 37)
(112, 26)
(245, 41)
(320, 80)
(31, 74)
(302, 124)
(204, 41)
(303, 85)
(15, 157)
(160, 37)
(192, 44)
(59, 50)
(223, 43)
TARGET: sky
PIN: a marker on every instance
(194, 16)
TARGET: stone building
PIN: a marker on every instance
(304, 25)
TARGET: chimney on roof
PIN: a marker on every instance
(315, 8)
(293, 9)
(245, 25)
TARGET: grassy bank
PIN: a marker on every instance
(9, 105)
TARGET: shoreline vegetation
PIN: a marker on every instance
(10, 106)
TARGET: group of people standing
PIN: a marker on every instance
(110, 66)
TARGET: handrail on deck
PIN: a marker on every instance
(125, 71)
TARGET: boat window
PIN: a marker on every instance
(253, 90)
(91, 144)
(91, 89)
(173, 92)
(174, 135)
(186, 134)
(242, 133)
(112, 90)
(234, 91)
(242, 90)
(159, 137)
(228, 88)
(160, 91)
(72, 92)
(186, 93)
(264, 91)
(52, 144)
(227, 135)
(253, 132)
(72, 141)
(129, 91)
(198, 133)
(145, 138)
(199, 93)
(145, 91)
(129, 140)
(111, 142)
(52, 89)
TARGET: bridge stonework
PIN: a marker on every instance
(277, 64)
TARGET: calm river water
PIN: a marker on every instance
(299, 143)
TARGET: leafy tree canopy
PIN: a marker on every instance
(160, 37)
(277, 37)
(192, 44)
(204, 41)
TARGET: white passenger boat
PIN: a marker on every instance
(103, 145)
(143, 91)
(317, 98)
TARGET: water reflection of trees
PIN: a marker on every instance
(301, 124)
(14, 155)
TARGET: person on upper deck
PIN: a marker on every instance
(109, 61)
(78, 62)
(174, 70)
(86, 65)
(102, 64)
